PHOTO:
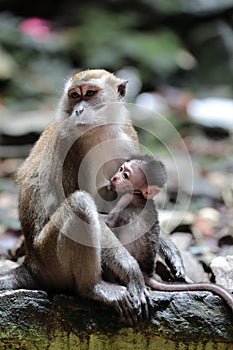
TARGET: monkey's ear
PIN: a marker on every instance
(122, 87)
(150, 191)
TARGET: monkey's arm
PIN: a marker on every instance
(112, 218)
(173, 259)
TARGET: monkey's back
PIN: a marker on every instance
(32, 214)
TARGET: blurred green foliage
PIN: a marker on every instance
(105, 39)
(168, 42)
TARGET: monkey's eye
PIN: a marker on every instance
(121, 169)
(125, 175)
(90, 93)
(74, 94)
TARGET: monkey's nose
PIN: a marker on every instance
(79, 111)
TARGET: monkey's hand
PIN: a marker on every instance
(129, 274)
(118, 297)
(137, 299)
(139, 294)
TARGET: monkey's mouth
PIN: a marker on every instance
(82, 123)
(117, 189)
(111, 187)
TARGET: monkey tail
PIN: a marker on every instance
(19, 278)
(207, 287)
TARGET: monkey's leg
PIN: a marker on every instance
(21, 277)
(173, 259)
(74, 260)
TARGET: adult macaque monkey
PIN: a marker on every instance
(135, 219)
(66, 240)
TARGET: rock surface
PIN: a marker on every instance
(222, 267)
(34, 320)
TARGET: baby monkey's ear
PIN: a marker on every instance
(150, 191)
(122, 87)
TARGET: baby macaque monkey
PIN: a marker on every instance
(134, 219)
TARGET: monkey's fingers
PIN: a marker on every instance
(127, 312)
(137, 294)
(146, 302)
(150, 301)
(142, 303)
(124, 305)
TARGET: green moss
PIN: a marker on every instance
(124, 339)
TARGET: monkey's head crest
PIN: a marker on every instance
(92, 74)
(104, 79)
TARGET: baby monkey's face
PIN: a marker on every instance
(134, 177)
(128, 178)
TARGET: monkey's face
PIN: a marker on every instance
(129, 178)
(88, 92)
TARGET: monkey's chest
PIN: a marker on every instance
(138, 230)
(95, 157)
(131, 226)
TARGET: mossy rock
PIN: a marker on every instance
(179, 320)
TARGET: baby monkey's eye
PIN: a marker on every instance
(90, 93)
(121, 168)
(74, 94)
(125, 175)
